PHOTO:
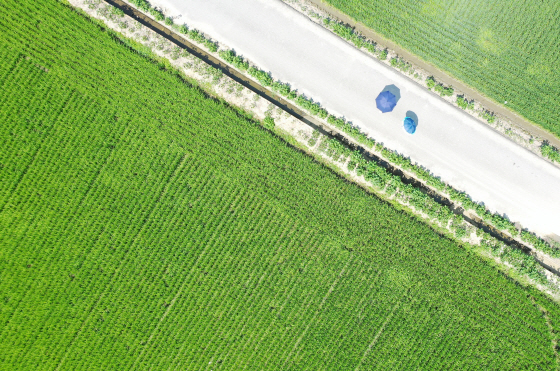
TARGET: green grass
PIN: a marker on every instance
(506, 49)
(144, 225)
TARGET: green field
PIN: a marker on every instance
(144, 225)
(507, 49)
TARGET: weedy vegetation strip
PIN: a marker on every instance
(147, 225)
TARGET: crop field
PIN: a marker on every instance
(506, 49)
(145, 225)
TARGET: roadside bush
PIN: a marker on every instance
(141, 4)
(263, 77)
(480, 209)
(339, 29)
(227, 55)
(169, 21)
(240, 63)
(195, 35)
(550, 152)
(183, 29)
(439, 88)
(401, 64)
(337, 122)
(349, 129)
(489, 116)
(157, 14)
(357, 40)
(540, 244)
(282, 89)
(463, 103)
(235, 60)
(371, 47)
(348, 33)
(311, 106)
(211, 46)
(436, 183)
(498, 221)
(430, 82)
(362, 138)
(383, 54)
(448, 91)
(268, 123)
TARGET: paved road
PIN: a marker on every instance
(453, 145)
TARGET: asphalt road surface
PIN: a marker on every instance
(462, 151)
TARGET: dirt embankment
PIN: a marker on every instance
(441, 76)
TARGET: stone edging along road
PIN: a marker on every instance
(439, 75)
(317, 125)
